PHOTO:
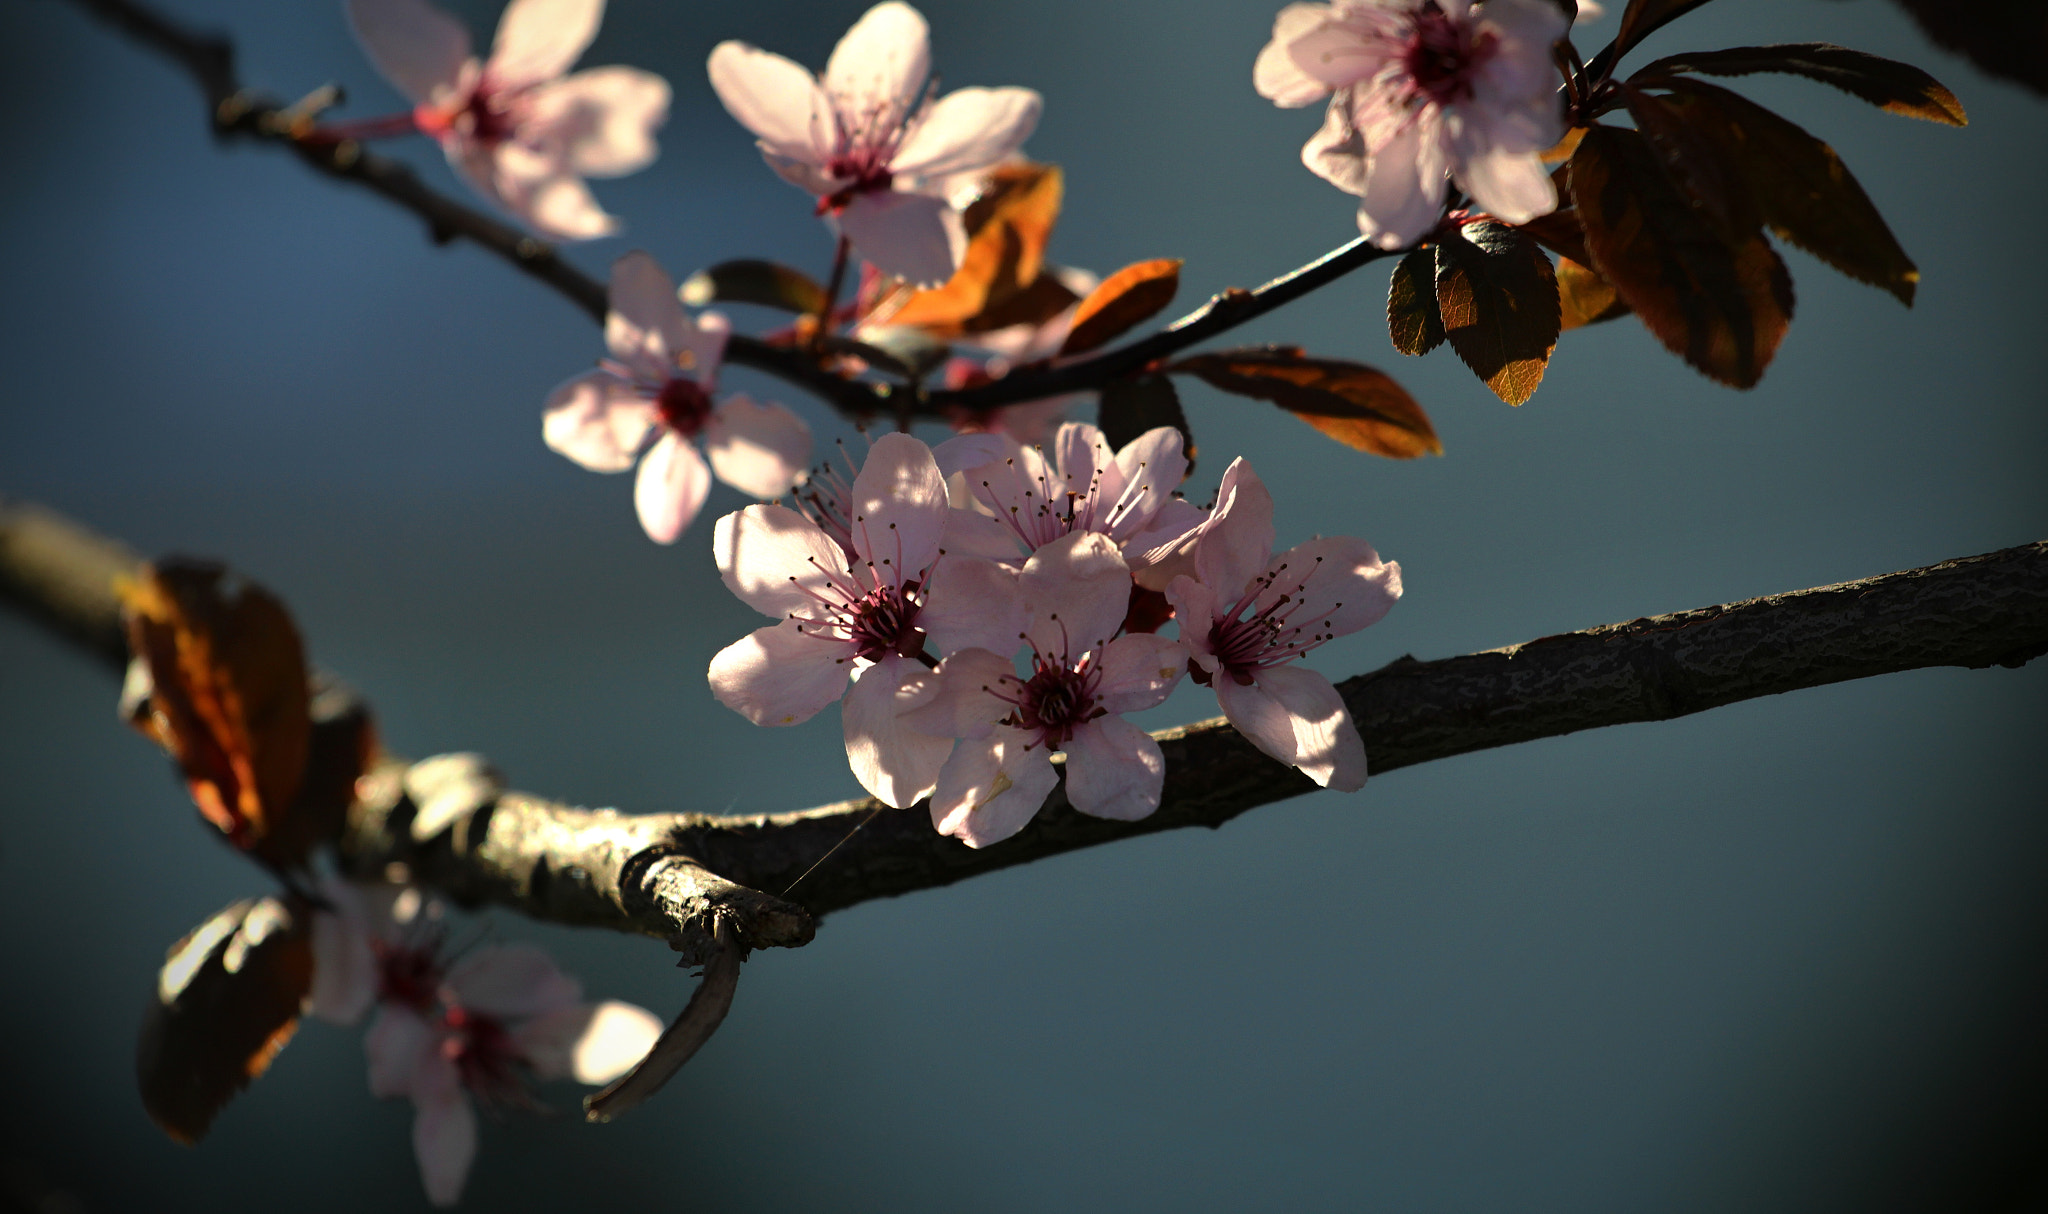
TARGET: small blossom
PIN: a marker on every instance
(868, 140)
(519, 131)
(659, 380)
(1421, 91)
(1247, 615)
(1077, 590)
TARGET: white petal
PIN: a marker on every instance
(774, 98)
(598, 420)
(538, 39)
(895, 762)
(558, 206)
(1336, 152)
(965, 704)
(344, 962)
(602, 121)
(899, 508)
(967, 130)
(780, 676)
(444, 1140)
(1237, 541)
(417, 47)
(758, 449)
(1140, 670)
(401, 1048)
(1114, 770)
(1348, 587)
(512, 980)
(1276, 76)
(1338, 53)
(1297, 717)
(912, 236)
(671, 487)
(876, 74)
(1194, 610)
(1404, 190)
(1513, 185)
(1149, 468)
(965, 453)
(644, 323)
(1081, 455)
(1524, 31)
(593, 1042)
(989, 790)
(1166, 549)
(777, 561)
(1078, 591)
(973, 603)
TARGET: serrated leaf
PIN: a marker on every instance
(1124, 299)
(1723, 310)
(753, 281)
(227, 1000)
(1134, 405)
(226, 695)
(1898, 88)
(1583, 297)
(1801, 187)
(1359, 406)
(1498, 299)
(1701, 163)
(1008, 228)
(1643, 17)
(2003, 37)
(1413, 321)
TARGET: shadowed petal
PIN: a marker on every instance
(1237, 541)
(598, 420)
(777, 561)
(1114, 770)
(899, 507)
(990, 789)
(965, 704)
(1078, 590)
(512, 980)
(779, 676)
(913, 236)
(1140, 670)
(645, 323)
(602, 120)
(892, 760)
(1276, 76)
(758, 449)
(417, 47)
(1297, 717)
(1194, 609)
(1348, 587)
(402, 1048)
(539, 39)
(670, 488)
(444, 1140)
(973, 603)
(968, 129)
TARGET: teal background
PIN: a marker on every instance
(1783, 956)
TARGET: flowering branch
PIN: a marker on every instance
(239, 113)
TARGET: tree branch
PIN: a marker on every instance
(649, 873)
(238, 113)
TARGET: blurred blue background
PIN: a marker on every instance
(1787, 955)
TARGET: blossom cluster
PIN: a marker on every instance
(452, 1031)
(915, 590)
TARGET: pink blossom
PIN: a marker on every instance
(868, 617)
(869, 141)
(519, 131)
(1077, 589)
(1422, 90)
(447, 1034)
(1246, 615)
(659, 380)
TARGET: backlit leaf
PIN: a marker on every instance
(1584, 297)
(1722, 309)
(226, 695)
(1008, 227)
(1899, 88)
(227, 1000)
(1701, 163)
(1412, 317)
(1498, 300)
(1124, 299)
(753, 281)
(1139, 403)
(1355, 404)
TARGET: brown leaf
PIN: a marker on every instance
(1135, 404)
(1124, 298)
(1802, 188)
(1723, 310)
(1413, 321)
(1898, 88)
(227, 695)
(1584, 297)
(1358, 406)
(227, 1000)
(1008, 227)
(1641, 18)
(1701, 163)
(1498, 299)
(753, 281)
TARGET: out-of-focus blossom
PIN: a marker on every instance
(869, 141)
(659, 380)
(447, 1034)
(522, 133)
(1077, 589)
(867, 617)
(1246, 615)
(1031, 422)
(1422, 91)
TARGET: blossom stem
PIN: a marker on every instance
(386, 127)
(833, 283)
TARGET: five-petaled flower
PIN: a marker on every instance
(518, 130)
(659, 379)
(1424, 90)
(869, 141)
(1246, 615)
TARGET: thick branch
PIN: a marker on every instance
(593, 866)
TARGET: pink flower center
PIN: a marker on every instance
(1443, 55)
(485, 1056)
(884, 621)
(408, 975)
(684, 405)
(1269, 636)
(865, 146)
(874, 608)
(489, 115)
(1060, 696)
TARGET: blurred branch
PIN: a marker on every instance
(239, 113)
(602, 868)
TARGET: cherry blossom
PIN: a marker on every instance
(868, 140)
(1309, 594)
(659, 380)
(864, 610)
(521, 133)
(449, 1033)
(1421, 91)
(1077, 589)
